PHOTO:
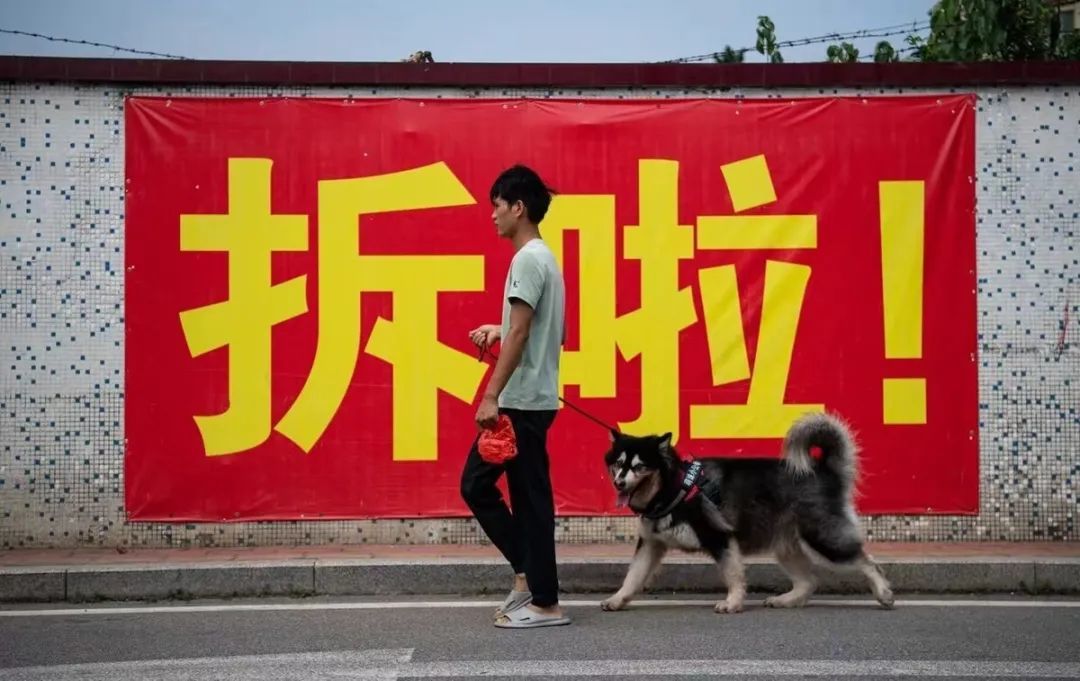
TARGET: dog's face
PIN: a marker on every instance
(637, 466)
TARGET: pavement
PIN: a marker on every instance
(100, 574)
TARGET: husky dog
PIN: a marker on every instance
(798, 507)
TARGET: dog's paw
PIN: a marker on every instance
(612, 604)
(783, 601)
(886, 598)
(729, 607)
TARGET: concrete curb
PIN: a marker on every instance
(490, 577)
(205, 580)
(33, 584)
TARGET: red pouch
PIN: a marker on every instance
(499, 444)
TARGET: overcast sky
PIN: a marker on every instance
(453, 31)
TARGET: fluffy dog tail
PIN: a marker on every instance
(832, 437)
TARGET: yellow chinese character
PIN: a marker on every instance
(249, 233)
(592, 366)
(652, 331)
(765, 414)
(422, 365)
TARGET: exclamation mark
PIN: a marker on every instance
(902, 284)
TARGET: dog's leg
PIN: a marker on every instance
(799, 567)
(843, 547)
(731, 568)
(878, 584)
(646, 559)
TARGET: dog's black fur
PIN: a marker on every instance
(798, 507)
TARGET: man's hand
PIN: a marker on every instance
(488, 413)
(485, 336)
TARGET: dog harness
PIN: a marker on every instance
(687, 490)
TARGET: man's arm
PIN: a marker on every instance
(512, 348)
(526, 287)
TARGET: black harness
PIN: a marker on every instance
(687, 489)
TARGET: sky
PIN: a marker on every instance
(453, 31)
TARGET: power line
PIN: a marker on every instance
(881, 31)
(118, 48)
(798, 42)
(867, 33)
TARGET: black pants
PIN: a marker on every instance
(526, 537)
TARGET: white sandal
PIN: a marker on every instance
(526, 618)
(513, 601)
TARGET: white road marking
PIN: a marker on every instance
(371, 664)
(390, 664)
(409, 605)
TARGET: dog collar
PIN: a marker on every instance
(688, 489)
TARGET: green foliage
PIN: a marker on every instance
(766, 40)
(960, 31)
(884, 53)
(844, 53)
(730, 56)
(990, 30)
(1068, 46)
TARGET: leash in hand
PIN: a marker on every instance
(486, 351)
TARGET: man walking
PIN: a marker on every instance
(525, 387)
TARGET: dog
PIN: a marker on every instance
(798, 507)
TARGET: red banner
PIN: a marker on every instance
(301, 275)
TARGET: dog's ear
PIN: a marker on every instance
(665, 446)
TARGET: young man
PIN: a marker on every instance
(525, 387)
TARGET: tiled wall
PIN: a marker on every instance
(62, 353)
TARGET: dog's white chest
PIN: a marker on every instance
(680, 536)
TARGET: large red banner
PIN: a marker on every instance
(302, 273)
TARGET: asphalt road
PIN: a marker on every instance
(985, 637)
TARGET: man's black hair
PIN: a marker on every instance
(521, 183)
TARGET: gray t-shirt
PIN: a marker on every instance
(534, 278)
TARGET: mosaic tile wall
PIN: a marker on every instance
(61, 324)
